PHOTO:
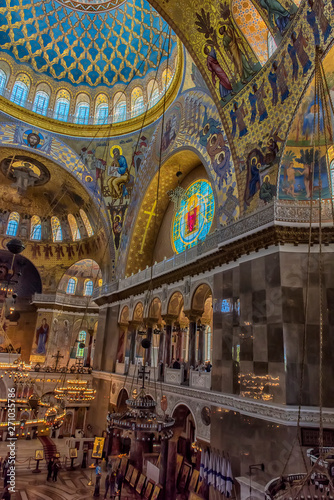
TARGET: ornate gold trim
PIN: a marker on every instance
(98, 131)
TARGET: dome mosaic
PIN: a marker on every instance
(86, 43)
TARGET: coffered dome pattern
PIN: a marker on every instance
(84, 46)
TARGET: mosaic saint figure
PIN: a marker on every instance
(253, 179)
(267, 190)
(318, 7)
(312, 20)
(295, 66)
(257, 99)
(238, 114)
(277, 14)
(233, 46)
(42, 335)
(299, 43)
(120, 175)
(278, 81)
(225, 87)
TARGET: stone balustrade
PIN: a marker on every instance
(174, 376)
(200, 379)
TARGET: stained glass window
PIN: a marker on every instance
(88, 287)
(13, 224)
(193, 220)
(81, 339)
(137, 102)
(19, 93)
(119, 107)
(36, 228)
(154, 97)
(86, 222)
(57, 234)
(62, 108)
(74, 227)
(252, 26)
(101, 116)
(71, 286)
(3, 79)
(41, 103)
(82, 114)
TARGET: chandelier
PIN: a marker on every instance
(75, 390)
(141, 417)
(178, 194)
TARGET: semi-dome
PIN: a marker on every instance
(85, 43)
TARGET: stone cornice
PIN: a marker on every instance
(280, 414)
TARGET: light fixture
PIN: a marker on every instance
(178, 194)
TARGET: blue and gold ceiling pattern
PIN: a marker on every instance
(88, 43)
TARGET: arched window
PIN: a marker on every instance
(62, 106)
(71, 286)
(86, 222)
(154, 97)
(271, 44)
(88, 290)
(166, 78)
(101, 117)
(57, 234)
(13, 224)
(137, 102)
(36, 228)
(74, 227)
(41, 103)
(3, 79)
(19, 93)
(119, 107)
(81, 340)
(82, 113)
(252, 26)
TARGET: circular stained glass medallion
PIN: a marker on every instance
(193, 221)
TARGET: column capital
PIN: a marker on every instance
(169, 318)
(193, 315)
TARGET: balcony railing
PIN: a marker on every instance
(278, 212)
(63, 299)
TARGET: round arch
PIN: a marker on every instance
(175, 303)
(123, 395)
(124, 316)
(199, 296)
(154, 310)
(138, 310)
(184, 411)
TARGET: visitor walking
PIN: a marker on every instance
(6, 493)
(50, 468)
(107, 485)
(98, 474)
(55, 468)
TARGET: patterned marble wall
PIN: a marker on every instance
(259, 327)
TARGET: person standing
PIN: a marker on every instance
(55, 468)
(106, 485)
(98, 474)
(50, 468)
(6, 493)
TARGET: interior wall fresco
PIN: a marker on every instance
(191, 123)
(253, 118)
(45, 144)
(299, 157)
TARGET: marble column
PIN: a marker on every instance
(163, 468)
(168, 342)
(132, 354)
(148, 352)
(201, 344)
(192, 343)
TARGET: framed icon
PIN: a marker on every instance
(148, 490)
(179, 460)
(123, 466)
(129, 473)
(134, 477)
(98, 447)
(156, 492)
(140, 484)
(73, 453)
(184, 476)
(39, 454)
(193, 480)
